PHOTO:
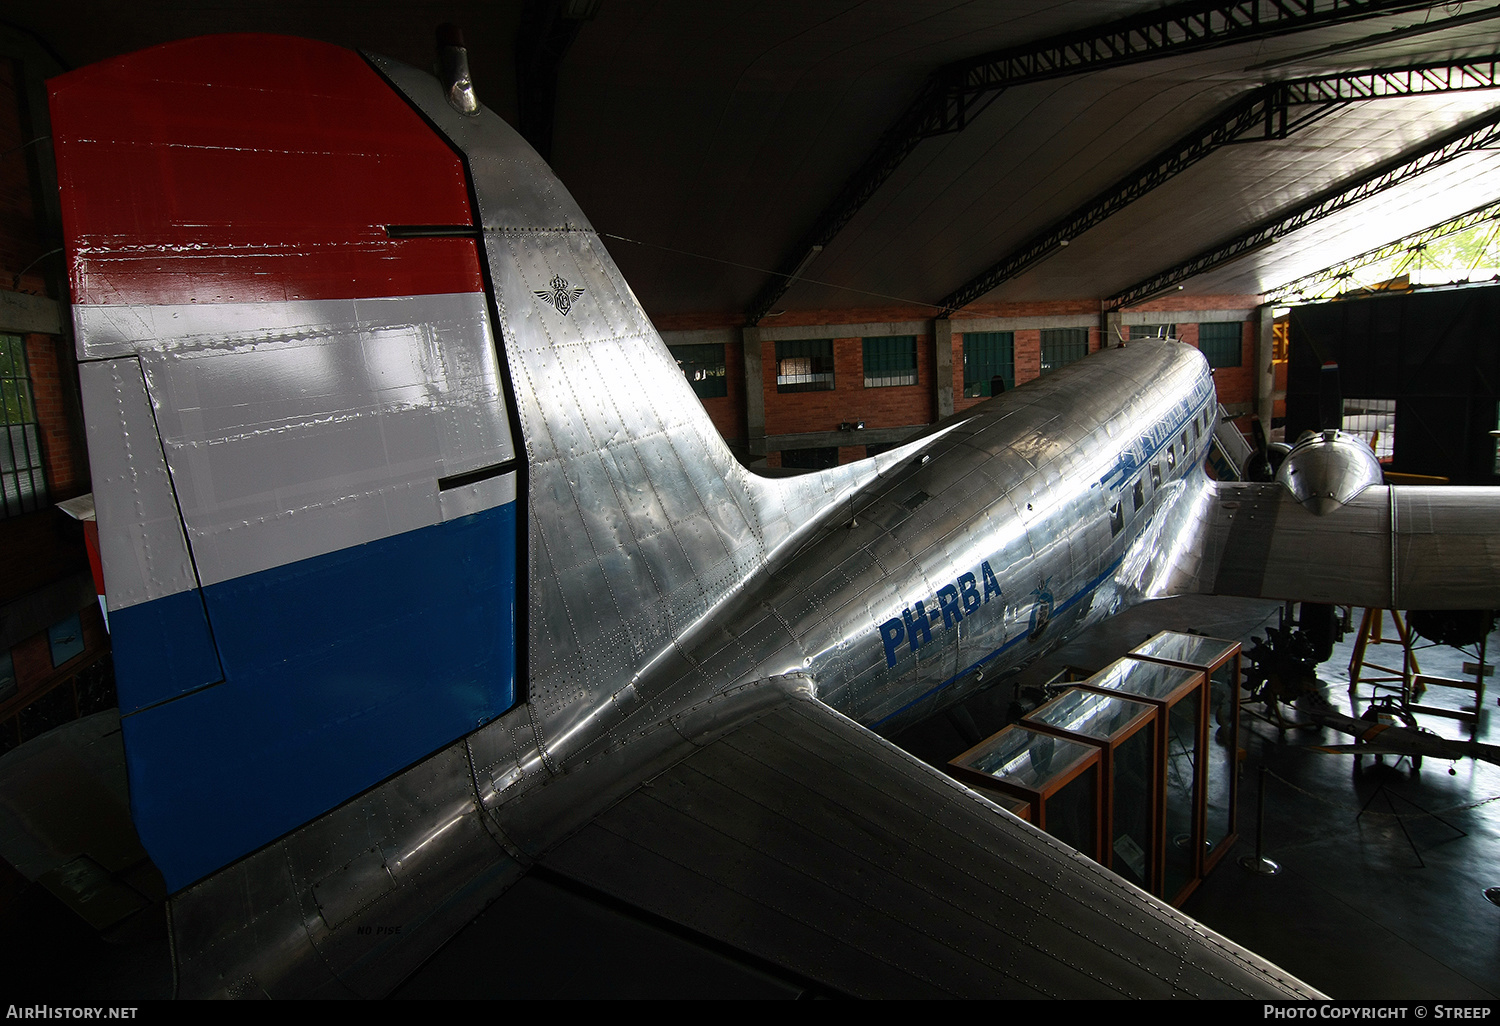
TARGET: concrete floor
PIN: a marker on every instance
(1357, 910)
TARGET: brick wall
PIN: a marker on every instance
(814, 412)
(890, 406)
(64, 458)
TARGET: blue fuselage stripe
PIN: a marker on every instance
(1067, 604)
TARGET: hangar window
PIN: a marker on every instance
(1155, 474)
(804, 365)
(1374, 420)
(1171, 456)
(1220, 342)
(890, 361)
(1140, 493)
(1116, 518)
(810, 459)
(704, 367)
(988, 355)
(1061, 346)
(1153, 331)
(22, 486)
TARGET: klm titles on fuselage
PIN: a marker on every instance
(950, 605)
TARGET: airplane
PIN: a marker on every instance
(425, 567)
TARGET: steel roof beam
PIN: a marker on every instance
(1477, 134)
(1263, 113)
(1317, 283)
(955, 94)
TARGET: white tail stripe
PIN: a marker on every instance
(295, 430)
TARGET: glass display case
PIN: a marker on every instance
(1124, 729)
(1019, 807)
(1058, 778)
(1220, 661)
(1177, 694)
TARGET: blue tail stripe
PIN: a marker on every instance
(162, 649)
(339, 671)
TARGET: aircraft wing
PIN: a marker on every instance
(1390, 547)
(806, 840)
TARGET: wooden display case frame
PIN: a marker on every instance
(1231, 657)
(1146, 716)
(1199, 684)
(1037, 799)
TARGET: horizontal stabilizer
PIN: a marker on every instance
(807, 841)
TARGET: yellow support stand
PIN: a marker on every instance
(1403, 681)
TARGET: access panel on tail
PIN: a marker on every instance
(303, 454)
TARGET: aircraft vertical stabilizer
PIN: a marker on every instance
(302, 455)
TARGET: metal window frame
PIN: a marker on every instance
(1067, 345)
(1219, 358)
(1384, 445)
(978, 386)
(890, 361)
(18, 399)
(714, 380)
(819, 353)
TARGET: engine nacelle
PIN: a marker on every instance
(1326, 470)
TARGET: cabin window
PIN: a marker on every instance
(704, 367)
(1140, 493)
(1116, 518)
(22, 486)
(1171, 457)
(1155, 474)
(989, 355)
(1062, 346)
(804, 365)
(1220, 342)
(1197, 434)
(1184, 443)
(890, 361)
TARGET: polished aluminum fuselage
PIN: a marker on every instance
(1011, 531)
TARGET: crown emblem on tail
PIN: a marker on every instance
(560, 297)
